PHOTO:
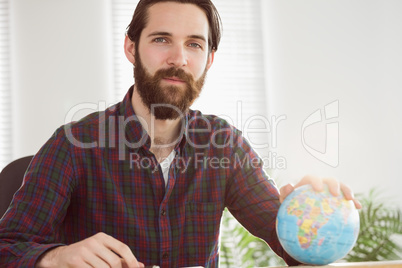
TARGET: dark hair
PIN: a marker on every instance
(140, 19)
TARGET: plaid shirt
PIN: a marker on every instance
(98, 175)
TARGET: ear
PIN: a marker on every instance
(129, 50)
(210, 59)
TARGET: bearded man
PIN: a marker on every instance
(136, 185)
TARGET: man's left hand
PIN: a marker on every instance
(335, 188)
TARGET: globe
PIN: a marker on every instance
(316, 227)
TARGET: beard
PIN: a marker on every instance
(166, 102)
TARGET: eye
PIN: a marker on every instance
(160, 40)
(195, 45)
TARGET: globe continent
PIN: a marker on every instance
(316, 227)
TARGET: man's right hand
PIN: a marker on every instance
(100, 250)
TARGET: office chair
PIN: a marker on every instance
(10, 181)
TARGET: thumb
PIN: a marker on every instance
(285, 191)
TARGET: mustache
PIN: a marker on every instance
(172, 71)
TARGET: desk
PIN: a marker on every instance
(378, 264)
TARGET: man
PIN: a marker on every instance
(139, 183)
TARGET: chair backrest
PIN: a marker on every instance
(10, 181)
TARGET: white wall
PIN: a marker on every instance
(60, 59)
(347, 51)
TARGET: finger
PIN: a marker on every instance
(122, 250)
(91, 258)
(348, 194)
(333, 186)
(140, 265)
(285, 191)
(358, 205)
(314, 181)
(126, 255)
(108, 256)
(87, 265)
(95, 262)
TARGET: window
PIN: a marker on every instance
(5, 84)
(234, 87)
(122, 12)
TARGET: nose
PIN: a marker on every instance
(177, 56)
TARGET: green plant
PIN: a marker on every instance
(380, 227)
(239, 248)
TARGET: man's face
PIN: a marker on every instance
(172, 58)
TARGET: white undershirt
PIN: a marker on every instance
(165, 165)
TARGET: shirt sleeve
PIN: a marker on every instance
(253, 198)
(31, 224)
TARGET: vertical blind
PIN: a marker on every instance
(5, 84)
(122, 12)
(234, 88)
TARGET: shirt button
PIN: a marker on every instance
(163, 212)
(165, 255)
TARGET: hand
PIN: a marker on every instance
(335, 187)
(100, 250)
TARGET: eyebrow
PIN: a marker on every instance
(194, 36)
